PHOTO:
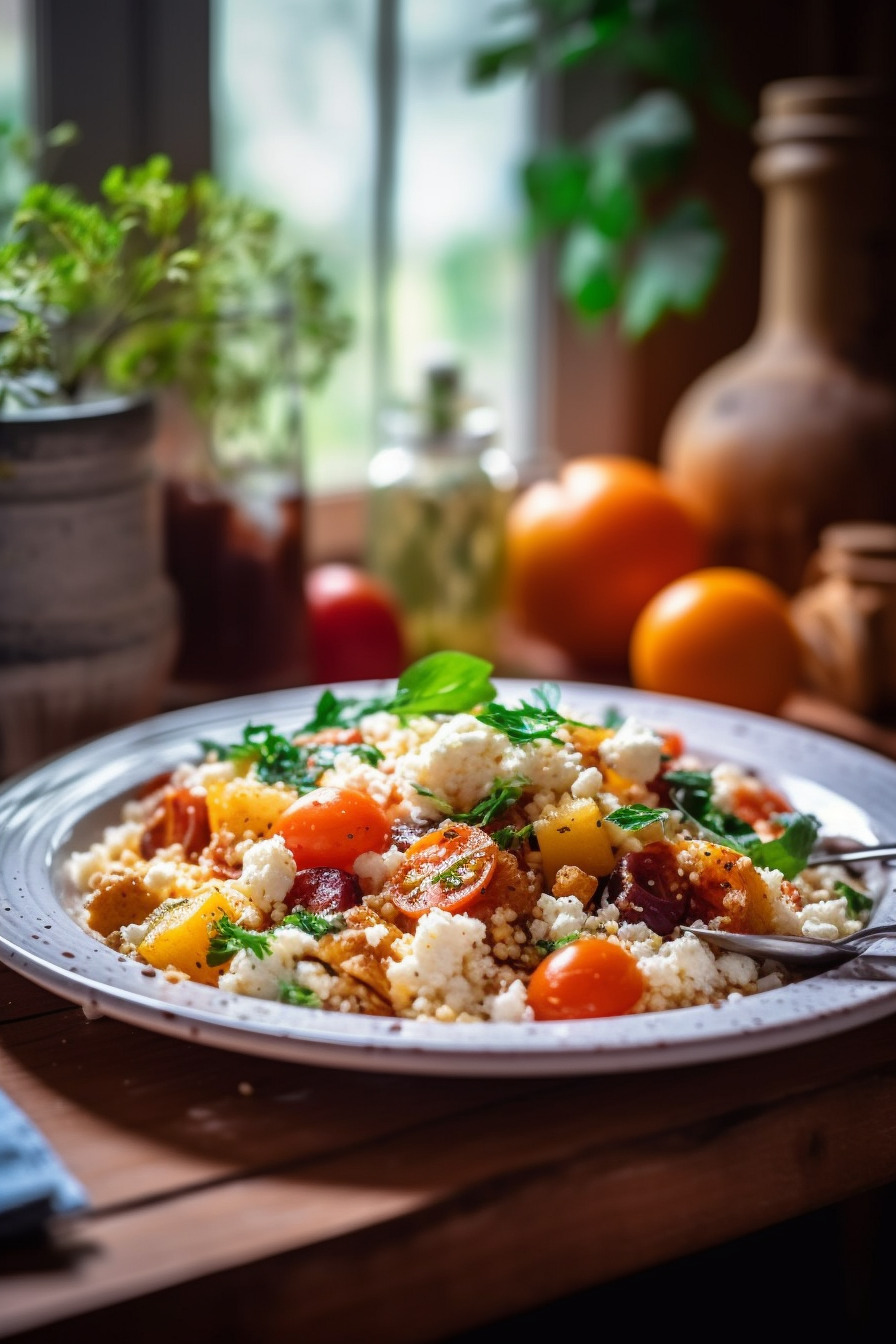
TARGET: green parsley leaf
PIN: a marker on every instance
(298, 995)
(316, 925)
(613, 717)
(503, 794)
(691, 794)
(547, 945)
(533, 719)
(279, 760)
(857, 902)
(508, 837)
(789, 852)
(229, 938)
(636, 816)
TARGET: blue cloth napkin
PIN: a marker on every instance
(33, 1182)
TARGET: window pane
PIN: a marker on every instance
(461, 274)
(13, 91)
(293, 127)
(294, 122)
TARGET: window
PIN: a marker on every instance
(298, 123)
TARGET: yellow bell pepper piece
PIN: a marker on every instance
(240, 805)
(574, 834)
(181, 934)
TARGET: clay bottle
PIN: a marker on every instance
(798, 429)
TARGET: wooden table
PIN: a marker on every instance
(258, 1200)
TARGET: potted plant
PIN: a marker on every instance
(158, 284)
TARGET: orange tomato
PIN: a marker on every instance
(588, 978)
(586, 552)
(718, 634)
(330, 828)
(447, 868)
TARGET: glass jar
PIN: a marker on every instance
(440, 487)
(231, 450)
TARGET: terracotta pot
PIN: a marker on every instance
(87, 619)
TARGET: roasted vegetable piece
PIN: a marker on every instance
(655, 886)
(181, 818)
(588, 978)
(121, 898)
(574, 834)
(325, 891)
(181, 933)
(239, 805)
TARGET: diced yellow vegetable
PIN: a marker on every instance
(181, 934)
(120, 899)
(574, 834)
(239, 805)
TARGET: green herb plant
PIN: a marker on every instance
(131, 291)
(280, 760)
(627, 243)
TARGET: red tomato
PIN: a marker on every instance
(447, 868)
(354, 624)
(589, 978)
(330, 828)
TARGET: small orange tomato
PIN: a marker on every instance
(588, 978)
(585, 553)
(718, 634)
(447, 868)
(330, 828)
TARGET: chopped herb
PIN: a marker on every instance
(298, 995)
(691, 794)
(636, 816)
(547, 945)
(229, 938)
(316, 925)
(278, 760)
(508, 837)
(789, 852)
(857, 902)
(503, 794)
(613, 717)
(533, 719)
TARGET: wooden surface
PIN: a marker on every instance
(243, 1196)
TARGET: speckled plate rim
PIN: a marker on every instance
(64, 803)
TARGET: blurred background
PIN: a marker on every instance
(445, 251)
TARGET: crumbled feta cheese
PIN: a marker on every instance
(557, 917)
(634, 751)
(261, 978)
(269, 871)
(160, 876)
(373, 870)
(447, 965)
(510, 1005)
(589, 783)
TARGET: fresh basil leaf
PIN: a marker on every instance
(229, 938)
(613, 717)
(857, 902)
(443, 683)
(298, 995)
(309, 922)
(690, 779)
(789, 852)
(636, 816)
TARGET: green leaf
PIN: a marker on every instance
(503, 794)
(691, 793)
(443, 683)
(636, 816)
(530, 721)
(789, 852)
(493, 63)
(674, 270)
(613, 717)
(555, 183)
(229, 938)
(548, 945)
(279, 760)
(645, 144)
(508, 837)
(298, 995)
(316, 925)
(858, 903)
(590, 272)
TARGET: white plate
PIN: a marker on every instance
(65, 803)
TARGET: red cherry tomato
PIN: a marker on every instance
(354, 624)
(330, 828)
(447, 868)
(181, 818)
(588, 978)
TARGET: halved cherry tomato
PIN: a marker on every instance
(181, 818)
(589, 978)
(330, 828)
(447, 868)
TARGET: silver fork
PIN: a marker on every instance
(795, 950)
(852, 855)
